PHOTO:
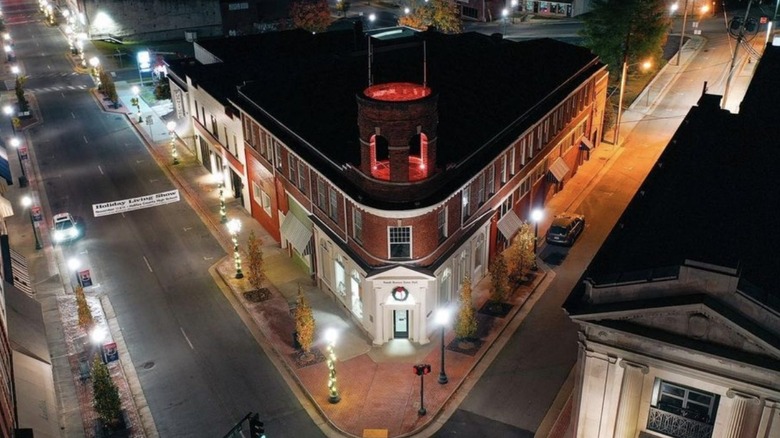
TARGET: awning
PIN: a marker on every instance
(5, 167)
(586, 144)
(509, 224)
(559, 169)
(297, 234)
(6, 209)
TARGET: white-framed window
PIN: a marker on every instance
(322, 201)
(292, 167)
(445, 284)
(266, 203)
(512, 157)
(672, 404)
(400, 242)
(301, 176)
(491, 179)
(357, 225)
(507, 205)
(356, 287)
(278, 154)
(333, 206)
(464, 203)
(503, 169)
(481, 189)
(442, 224)
(257, 193)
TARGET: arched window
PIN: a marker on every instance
(418, 148)
(380, 156)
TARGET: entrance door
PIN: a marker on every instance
(401, 324)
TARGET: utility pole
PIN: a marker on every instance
(682, 32)
(740, 36)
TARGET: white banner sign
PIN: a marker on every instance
(124, 205)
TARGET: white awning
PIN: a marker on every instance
(509, 224)
(6, 209)
(297, 234)
(559, 169)
(586, 144)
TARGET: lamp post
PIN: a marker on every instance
(73, 265)
(97, 335)
(27, 203)
(442, 319)
(9, 111)
(371, 20)
(623, 77)
(172, 130)
(682, 32)
(16, 143)
(536, 216)
(15, 70)
(234, 226)
(333, 391)
(504, 15)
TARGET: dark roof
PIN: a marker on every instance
(489, 91)
(712, 196)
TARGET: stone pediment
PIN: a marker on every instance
(698, 322)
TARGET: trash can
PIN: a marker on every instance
(22, 181)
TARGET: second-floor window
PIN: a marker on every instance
(357, 225)
(333, 207)
(278, 154)
(400, 240)
(301, 176)
(464, 202)
(322, 200)
(214, 127)
(442, 224)
(291, 169)
(680, 411)
(503, 169)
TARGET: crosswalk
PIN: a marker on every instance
(9, 85)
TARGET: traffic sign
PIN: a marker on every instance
(36, 214)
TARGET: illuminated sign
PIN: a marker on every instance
(144, 61)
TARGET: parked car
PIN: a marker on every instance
(65, 228)
(565, 228)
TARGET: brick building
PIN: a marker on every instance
(392, 165)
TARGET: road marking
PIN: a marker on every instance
(101, 170)
(208, 258)
(153, 180)
(85, 139)
(71, 114)
(187, 228)
(147, 264)
(186, 338)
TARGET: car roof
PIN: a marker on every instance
(61, 217)
(565, 219)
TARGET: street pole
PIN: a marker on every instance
(740, 36)
(622, 93)
(422, 411)
(35, 233)
(682, 33)
(442, 375)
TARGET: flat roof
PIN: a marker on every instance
(303, 88)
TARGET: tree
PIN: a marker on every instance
(499, 280)
(343, 6)
(440, 14)
(304, 322)
(312, 15)
(20, 99)
(634, 28)
(85, 315)
(466, 321)
(162, 90)
(105, 393)
(256, 272)
(520, 255)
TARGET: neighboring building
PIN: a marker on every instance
(486, 10)
(680, 309)
(395, 166)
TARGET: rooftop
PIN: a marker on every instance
(712, 196)
(303, 88)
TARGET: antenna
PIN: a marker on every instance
(425, 63)
(370, 60)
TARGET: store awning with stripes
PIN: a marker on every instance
(5, 166)
(558, 170)
(296, 233)
(509, 224)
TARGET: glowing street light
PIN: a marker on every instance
(442, 318)
(333, 391)
(172, 130)
(537, 214)
(15, 70)
(220, 179)
(73, 265)
(234, 226)
(623, 77)
(27, 203)
(136, 101)
(17, 144)
(505, 16)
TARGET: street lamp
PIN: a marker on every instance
(94, 62)
(623, 74)
(442, 318)
(27, 203)
(15, 70)
(407, 10)
(172, 130)
(73, 265)
(682, 32)
(333, 391)
(371, 20)
(536, 216)
(234, 226)
(505, 15)
(136, 101)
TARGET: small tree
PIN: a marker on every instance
(105, 393)
(110, 89)
(162, 90)
(499, 280)
(85, 315)
(20, 99)
(312, 15)
(256, 272)
(304, 322)
(343, 6)
(441, 14)
(466, 321)
(521, 253)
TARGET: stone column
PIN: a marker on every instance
(630, 395)
(736, 423)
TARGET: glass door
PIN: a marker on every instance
(401, 324)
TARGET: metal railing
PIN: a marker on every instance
(677, 426)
